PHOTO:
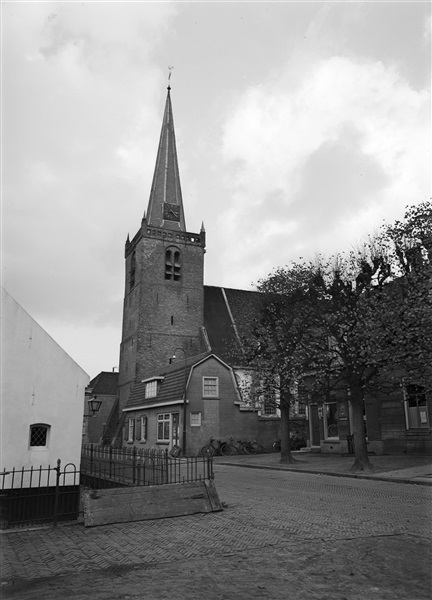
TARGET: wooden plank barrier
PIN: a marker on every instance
(122, 505)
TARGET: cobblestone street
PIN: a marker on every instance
(283, 535)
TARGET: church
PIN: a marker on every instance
(182, 372)
(181, 360)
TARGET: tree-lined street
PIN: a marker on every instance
(282, 535)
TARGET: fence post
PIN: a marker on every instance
(133, 465)
(110, 460)
(57, 492)
(166, 465)
(91, 454)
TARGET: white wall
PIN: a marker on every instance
(40, 384)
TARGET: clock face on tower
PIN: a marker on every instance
(171, 212)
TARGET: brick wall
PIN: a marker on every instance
(160, 315)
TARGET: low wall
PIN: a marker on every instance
(123, 505)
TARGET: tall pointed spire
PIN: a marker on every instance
(165, 207)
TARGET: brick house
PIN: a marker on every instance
(398, 422)
(155, 410)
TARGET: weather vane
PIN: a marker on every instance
(169, 75)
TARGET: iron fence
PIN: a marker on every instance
(103, 467)
(39, 495)
(52, 494)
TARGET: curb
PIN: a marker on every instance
(381, 477)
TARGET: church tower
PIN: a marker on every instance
(164, 289)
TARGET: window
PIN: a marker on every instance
(39, 435)
(195, 419)
(269, 407)
(151, 389)
(416, 410)
(210, 387)
(163, 427)
(172, 264)
(142, 429)
(130, 429)
(330, 416)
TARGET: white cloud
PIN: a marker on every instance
(349, 140)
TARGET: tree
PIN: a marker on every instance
(355, 324)
(410, 244)
(277, 347)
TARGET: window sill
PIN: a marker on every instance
(158, 443)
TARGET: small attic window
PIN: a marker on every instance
(151, 389)
(172, 264)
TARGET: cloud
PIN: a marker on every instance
(343, 146)
(77, 111)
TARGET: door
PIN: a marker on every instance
(314, 425)
(175, 438)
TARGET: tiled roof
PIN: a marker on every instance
(171, 387)
(229, 316)
(105, 384)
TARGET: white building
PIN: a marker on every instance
(42, 395)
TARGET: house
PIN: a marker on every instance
(196, 399)
(42, 395)
(395, 422)
(104, 388)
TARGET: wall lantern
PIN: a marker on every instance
(94, 405)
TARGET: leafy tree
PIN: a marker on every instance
(358, 323)
(279, 344)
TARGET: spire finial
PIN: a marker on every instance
(170, 68)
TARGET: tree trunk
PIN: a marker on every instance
(286, 456)
(361, 460)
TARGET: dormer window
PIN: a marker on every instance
(172, 264)
(151, 389)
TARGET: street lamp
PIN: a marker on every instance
(184, 398)
(94, 405)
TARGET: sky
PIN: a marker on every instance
(301, 127)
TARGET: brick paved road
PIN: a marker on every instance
(375, 532)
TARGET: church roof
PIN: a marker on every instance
(229, 316)
(166, 187)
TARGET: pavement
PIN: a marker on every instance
(268, 518)
(400, 468)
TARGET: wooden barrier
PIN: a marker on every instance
(122, 505)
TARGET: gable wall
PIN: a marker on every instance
(40, 384)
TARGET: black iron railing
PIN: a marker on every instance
(39, 495)
(103, 466)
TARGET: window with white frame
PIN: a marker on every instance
(151, 389)
(39, 435)
(163, 427)
(131, 427)
(143, 428)
(210, 387)
(416, 410)
(195, 419)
